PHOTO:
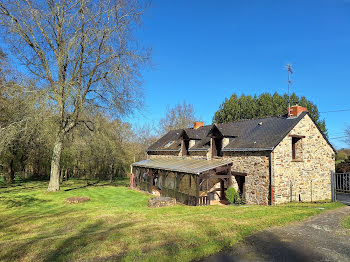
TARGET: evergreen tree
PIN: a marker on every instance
(248, 107)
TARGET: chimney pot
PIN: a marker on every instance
(197, 125)
(296, 110)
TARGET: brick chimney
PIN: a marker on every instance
(197, 125)
(296, 110)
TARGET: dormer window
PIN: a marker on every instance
(216, 146)
(184, 146)
(216, 138)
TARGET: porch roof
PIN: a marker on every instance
(184, 165)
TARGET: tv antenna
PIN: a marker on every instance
(290, 71)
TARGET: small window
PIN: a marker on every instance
(216, 146)
(297, 148)
(169, 144)
(185, 145)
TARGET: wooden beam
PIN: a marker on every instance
(216, 170)
(203, 180)
(222, 168)
(230, 182)
(220, 176)
(238, 173)
(297, 136)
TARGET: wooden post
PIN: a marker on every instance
(334, 198)
(311, 189)
(151, 184)
(291, 191)
(175, 176)
(197, 190)
(230, 178)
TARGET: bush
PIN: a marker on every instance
(343, 167)
(232, 195)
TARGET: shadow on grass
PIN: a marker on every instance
(117, 182)
(73, 184)
(265, 246)
(93, 233)
(66, 248)
(19, 187)
(84, 186)
(21, 201)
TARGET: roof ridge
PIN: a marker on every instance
(243, 120)
(240, 120)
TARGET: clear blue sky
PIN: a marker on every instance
(204, 51)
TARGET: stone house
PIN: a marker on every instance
(270, 160)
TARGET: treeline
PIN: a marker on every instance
(99, 147)
(343, 154)
(250, 107)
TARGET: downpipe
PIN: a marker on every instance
(271, 180)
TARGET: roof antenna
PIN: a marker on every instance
(290, 71)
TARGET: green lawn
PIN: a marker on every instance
(117, 224)
(346, 222)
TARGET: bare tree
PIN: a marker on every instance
(347, 132)
(178, 117)
(82, 53)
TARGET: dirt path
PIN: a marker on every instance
(319, 238)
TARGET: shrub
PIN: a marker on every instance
(232, 195)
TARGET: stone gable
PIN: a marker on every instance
(308, 176)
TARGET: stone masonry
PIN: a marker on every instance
(308, 176)
(256, 166)
(305, 178)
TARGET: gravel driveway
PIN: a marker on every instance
(319, 238)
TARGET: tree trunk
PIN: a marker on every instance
(111, 174)
(36, 167)
(75, 171)
(11, 172)
(54, 184)
(62, 175)
(25, 171)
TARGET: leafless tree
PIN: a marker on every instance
(347, 132)
(178, 117)
(82, 53)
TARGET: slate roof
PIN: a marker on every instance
(246, 135)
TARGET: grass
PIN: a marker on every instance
(117, 224)
(346, 222)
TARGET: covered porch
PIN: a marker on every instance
(189, 181)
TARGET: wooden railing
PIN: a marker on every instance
(179, 196)
(204, 201)
(145, 184)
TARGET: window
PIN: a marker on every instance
(216, 146)
(184, 146)
(297, 149)
(169, 144)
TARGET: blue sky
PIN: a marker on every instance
(204, 51)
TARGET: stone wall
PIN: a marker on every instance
(162, 154)
(308, 175)
(256, 165)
